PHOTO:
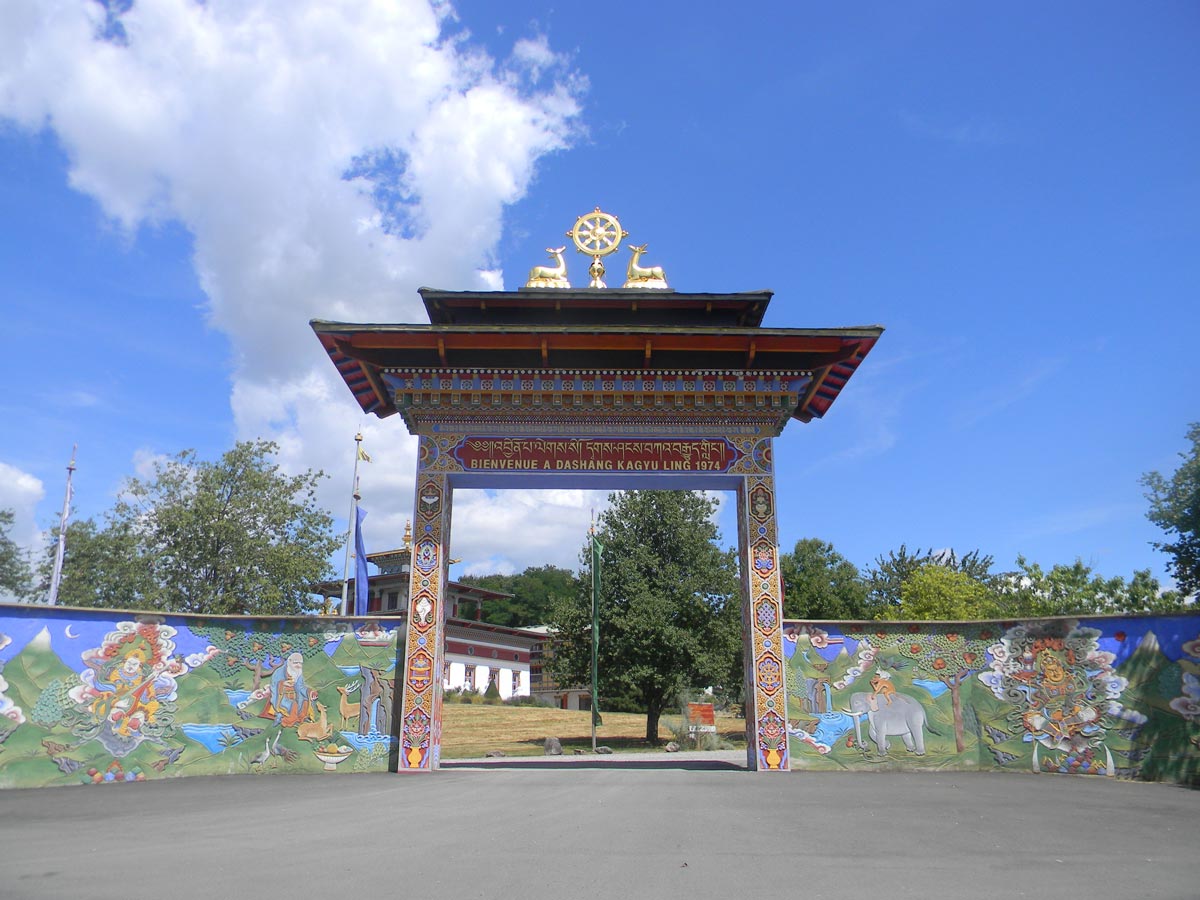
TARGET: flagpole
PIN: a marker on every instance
(595, 631)
(354, 498)
(56, 577)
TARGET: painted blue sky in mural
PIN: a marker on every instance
(1013, 196)
(73, 635)
(1121, 637)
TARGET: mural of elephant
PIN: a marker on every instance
(903, 715)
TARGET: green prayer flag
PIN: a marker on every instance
(597, 550)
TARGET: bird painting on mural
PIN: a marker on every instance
(66, 764)
(287, 754)
(260, 759)
(169, 755)
(997, 736)
(53, 748)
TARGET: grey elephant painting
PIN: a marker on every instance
(890, 714)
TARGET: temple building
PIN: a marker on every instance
(477, 653)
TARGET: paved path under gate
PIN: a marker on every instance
(628, 826)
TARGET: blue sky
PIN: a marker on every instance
(1011, 190)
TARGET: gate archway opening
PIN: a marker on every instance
(630, 388)
(484, 535)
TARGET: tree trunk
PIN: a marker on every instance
(258, 674)
(653, 711)
(956, 703)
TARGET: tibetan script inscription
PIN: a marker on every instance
(596, 455)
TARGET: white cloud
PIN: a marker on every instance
(976, 130)
(328, 157)
(1068, 521)
(492, 529)
(21, 492)
(535, 55)
(995, 400)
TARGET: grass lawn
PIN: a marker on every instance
(471, 730)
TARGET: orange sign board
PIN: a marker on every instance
(701, 717)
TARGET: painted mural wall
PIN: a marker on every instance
(101, 696)
(1110, 696)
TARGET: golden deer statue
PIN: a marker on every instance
(550, 276)
(637, 276)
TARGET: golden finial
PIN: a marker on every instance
(408, 535)
(597, 234)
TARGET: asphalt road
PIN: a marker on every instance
(621, 827)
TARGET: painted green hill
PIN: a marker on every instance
(31, 671)
(350, 653)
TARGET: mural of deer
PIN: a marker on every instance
(637, 275)
(550, 276)
(315, 731)
(347, 709)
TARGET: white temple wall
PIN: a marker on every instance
(457, 677)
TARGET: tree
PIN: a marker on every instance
(260, 651)
(886, 580)
(225, 537)
(1075, 590)
(534, 593)
(1175, 508)
(14, 571)
(935, 591)
(820, 583)
(102, 567)
(670, 614)
(947, 656)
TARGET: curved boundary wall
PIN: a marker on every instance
(101, 696)
(1111, 696)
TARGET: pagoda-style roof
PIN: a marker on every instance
(533, 350)
(568, 306)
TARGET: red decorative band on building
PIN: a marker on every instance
(596, 455)
(504, 658)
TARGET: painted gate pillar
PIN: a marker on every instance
(424, 653)
(762, 626)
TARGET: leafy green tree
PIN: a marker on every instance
(53, 703)
(820, 583)
(670, 614)
(260, 651)
(226, 537)
(1175, 508)
(14, 568)
(533, 591)
(1075, 590)
(886, 580)
(102, 567)
(935, 591)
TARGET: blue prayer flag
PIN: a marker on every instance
(360, 565)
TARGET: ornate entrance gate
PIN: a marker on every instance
(595, 388)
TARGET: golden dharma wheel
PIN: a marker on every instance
(597, 233)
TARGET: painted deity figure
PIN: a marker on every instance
(128, 694)
(288, 703)
(1060, 713)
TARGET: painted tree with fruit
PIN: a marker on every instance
(259, 652)
(950, 657)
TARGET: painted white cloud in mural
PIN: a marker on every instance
(8, 708)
